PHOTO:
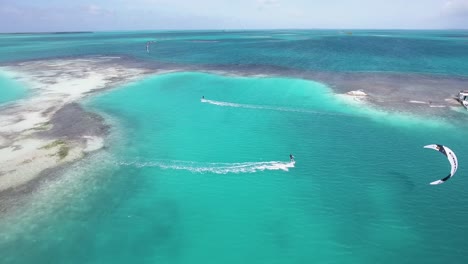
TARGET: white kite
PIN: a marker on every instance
(451, 158)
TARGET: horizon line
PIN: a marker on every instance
(229, 29)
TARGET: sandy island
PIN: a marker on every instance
(48, 128)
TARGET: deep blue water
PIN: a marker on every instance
(441, 52)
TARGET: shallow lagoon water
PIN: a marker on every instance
(186, 181)
(11, 90)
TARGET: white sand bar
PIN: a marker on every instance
(52, 84)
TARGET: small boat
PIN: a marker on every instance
(463, 98)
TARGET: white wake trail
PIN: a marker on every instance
(217, 168)
(265, 107)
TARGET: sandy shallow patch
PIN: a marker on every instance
(49, 115)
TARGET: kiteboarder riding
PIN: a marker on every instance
(291, 158)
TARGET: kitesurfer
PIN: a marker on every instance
(291, 157)
(147, 47)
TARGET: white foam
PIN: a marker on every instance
(437, 106)
(459, 109)
(357, 93)
(93, 143)
(204, 41)
(217, 168)
(417, 102)
(266, 107)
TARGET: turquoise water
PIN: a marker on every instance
(185, 180)
(10, 89)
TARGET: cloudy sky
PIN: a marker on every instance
(99, 15)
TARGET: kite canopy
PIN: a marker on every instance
(451, 158)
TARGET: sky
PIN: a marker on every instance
(108, 15)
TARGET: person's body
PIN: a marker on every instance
(291, 157)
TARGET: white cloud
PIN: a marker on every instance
(96, 10)
(267, 3)
(297, 13)
(9, 10)
(455, 8)
(93, 9)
